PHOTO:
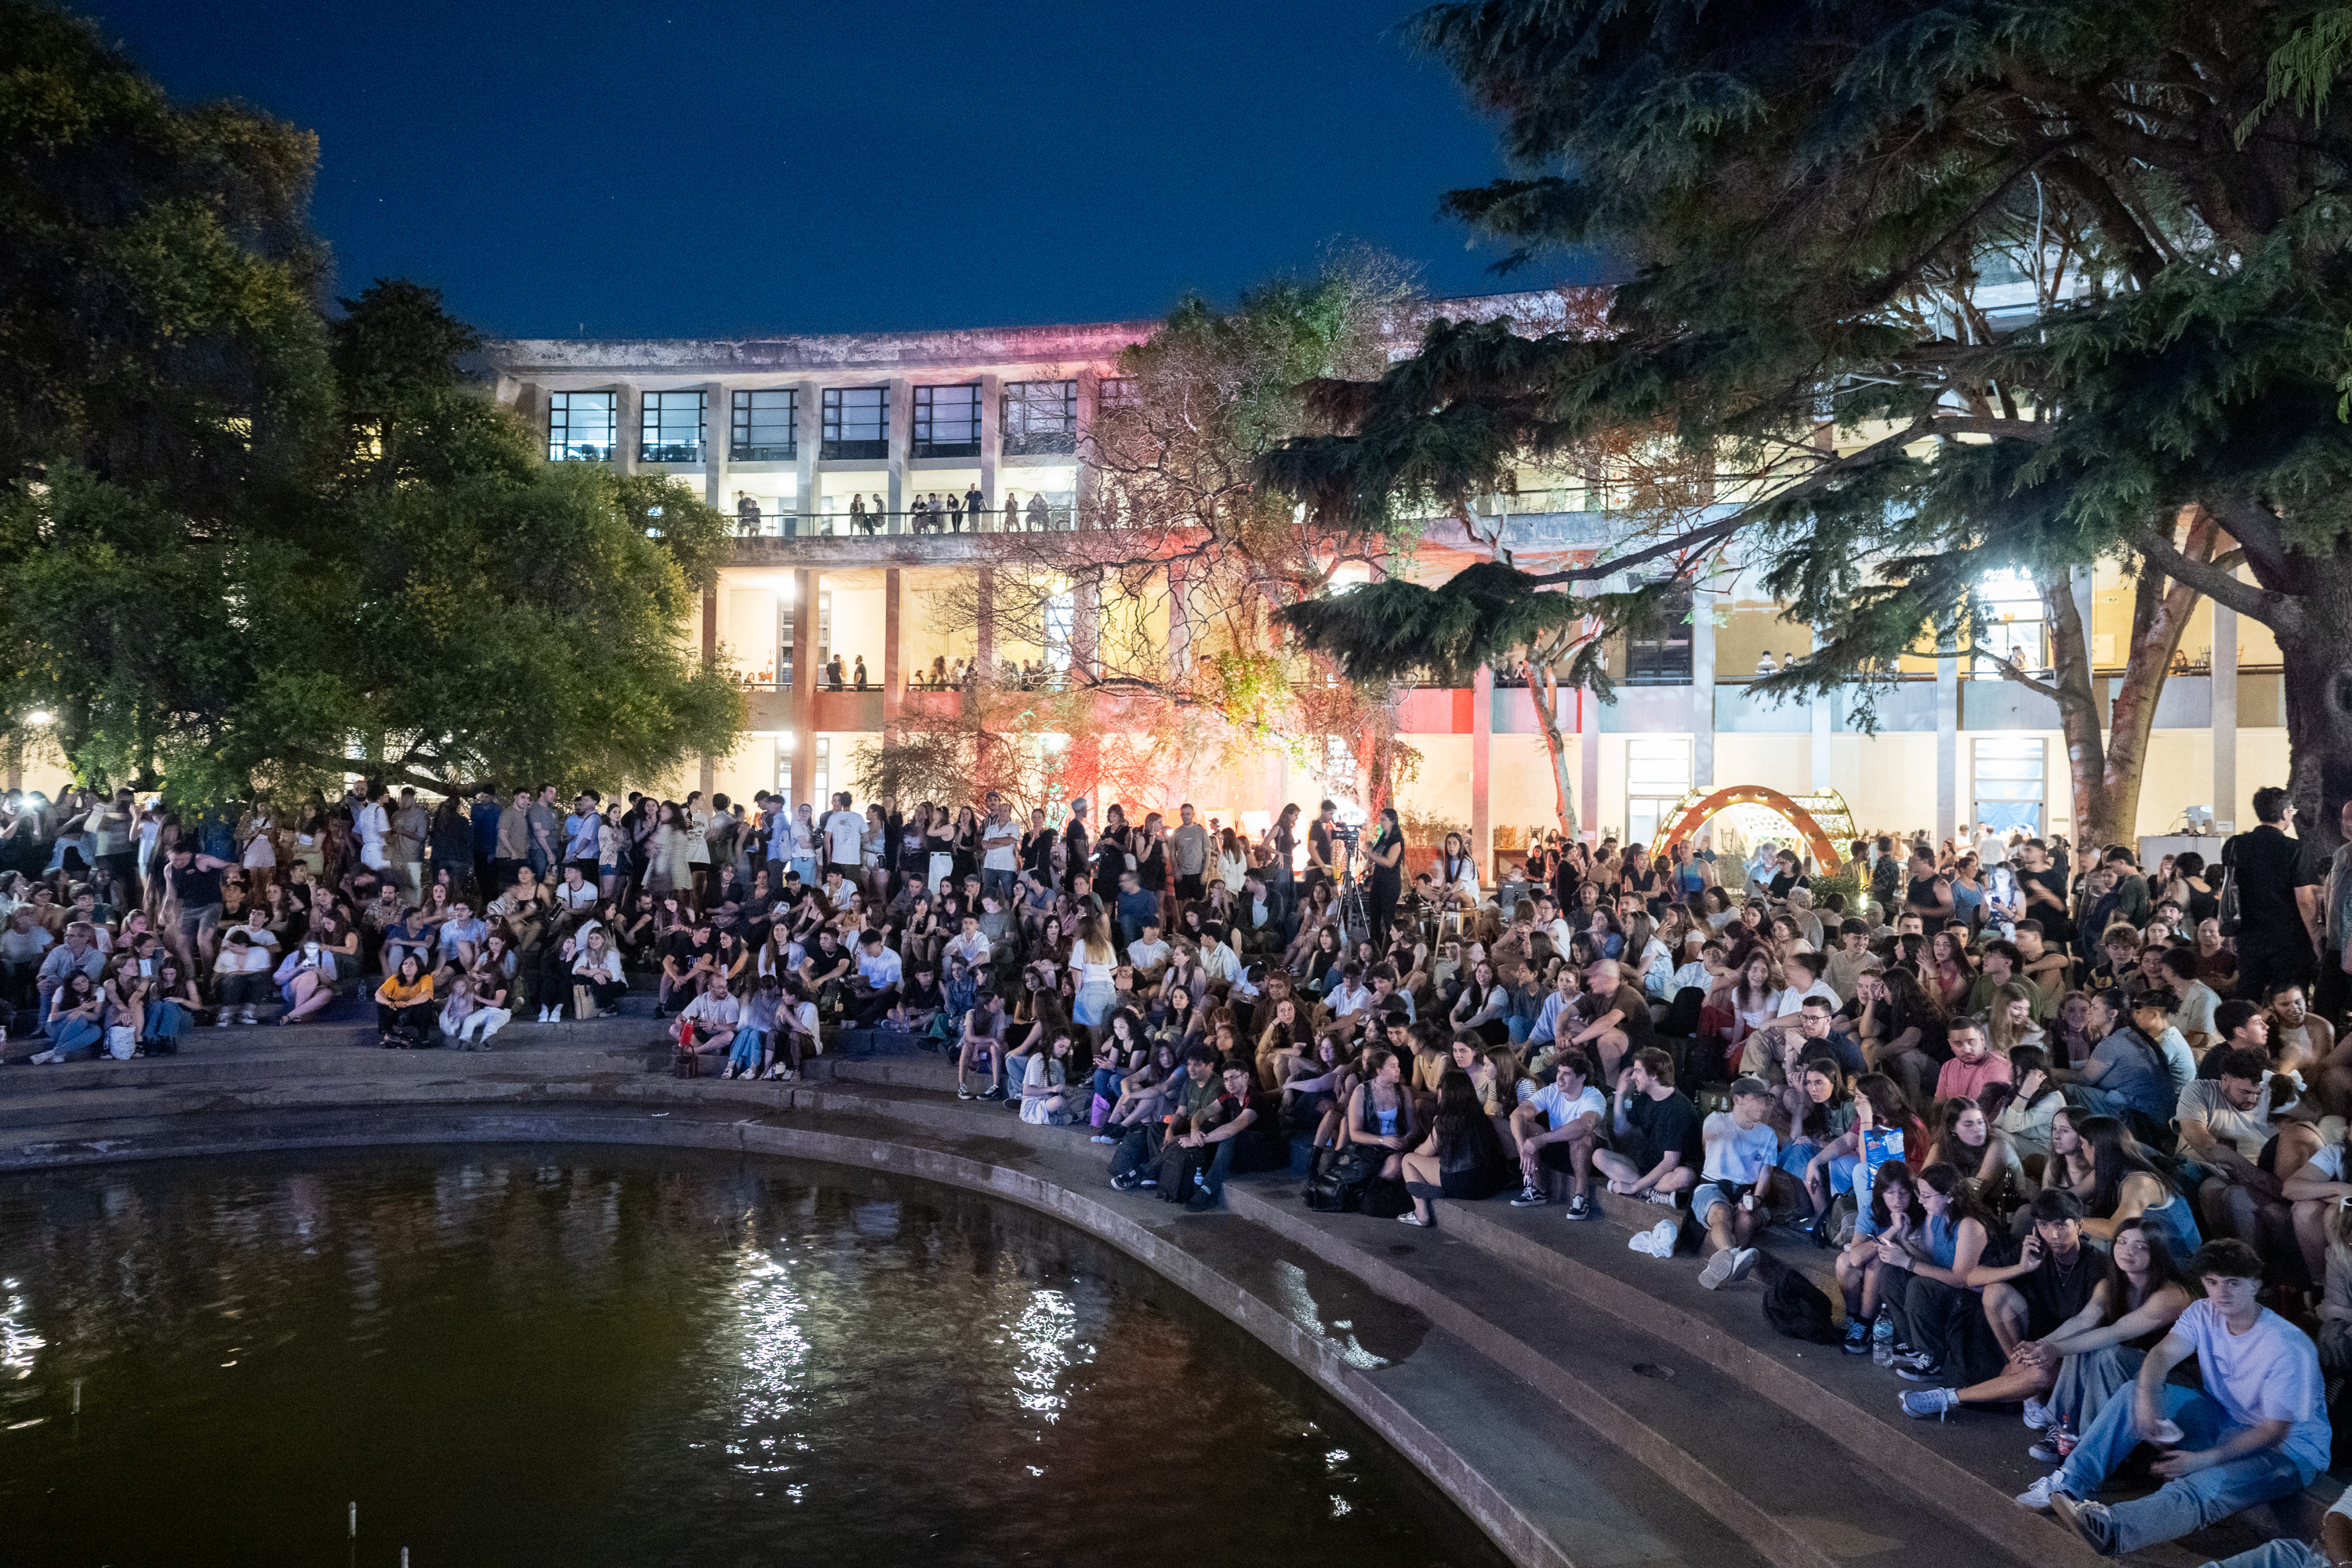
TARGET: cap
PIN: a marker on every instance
(1755, 1087)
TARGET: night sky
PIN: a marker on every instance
(673, 169)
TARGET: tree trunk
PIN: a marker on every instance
(1543, 690)
(2105, 768)
(2318, 652)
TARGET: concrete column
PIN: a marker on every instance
(1089, 402)
(902, 441)
(1947, 748)
(718, 438)
(1588, 741)
(1824, 776)
(803, 699)
(2225, 718)
(1702, 691)
(992, 441)
(890, 652)
(984, 640)
(808, 435)
(1482, 769)
(707, 771)
(628, 427)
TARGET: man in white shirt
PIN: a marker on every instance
(845, 837)
(1347, 997)
(967, 949)
(1219, 961)
(1000, 844)
(1991, 848)
(878, 982)
(371, 821)
(572, 895)
(1554, 1128)
(2255, 1430)
(1147, 953)
(1729, 1199)
(713, 1014)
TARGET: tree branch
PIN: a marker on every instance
(2273, 610)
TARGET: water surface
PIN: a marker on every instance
(590, 1356)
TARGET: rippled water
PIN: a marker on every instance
(600, 1356)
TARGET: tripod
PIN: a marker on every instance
(1355, 918)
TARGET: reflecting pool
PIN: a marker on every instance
(591, 1356)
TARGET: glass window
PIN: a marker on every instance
(672, 432)
(856, 422)
(2012, 624)
(1114, 391)
(821, 784)
(1664, 657)
(767, 426)
(580, 426)
(2011, 782)
(1061, 626)
(1040, 416)
(1658, 774)
(946, 421)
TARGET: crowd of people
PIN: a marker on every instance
(2061, 1120)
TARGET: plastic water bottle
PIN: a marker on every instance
(1882, 1340)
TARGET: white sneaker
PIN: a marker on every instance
(1658, 1241)
(1717, 1272)
(1743, 1261)
(2039, 1415)
(2037, 1496)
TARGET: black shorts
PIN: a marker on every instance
(1189, 887)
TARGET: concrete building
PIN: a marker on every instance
(824, 445)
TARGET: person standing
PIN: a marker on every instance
(1000, 850)
(2329, 993)
(975, 506)
(513, 842)
(1386, 855)
(409, 825)
(1074, 845)
(2275, 939)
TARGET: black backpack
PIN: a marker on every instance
(1795, 1305)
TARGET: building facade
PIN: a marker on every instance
(865, 468)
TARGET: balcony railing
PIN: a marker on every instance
(786, 453)
(669, 452)
(1054, 517)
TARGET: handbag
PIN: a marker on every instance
(2226, 897)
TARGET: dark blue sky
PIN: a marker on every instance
(666, 170)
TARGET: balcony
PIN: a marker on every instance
(669, 452)
(789, 452)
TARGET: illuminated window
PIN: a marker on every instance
(1061, 624)
(672, 432)
(1663, 657)
(856, 422)
(2012, 623)
(2012, 778)
(1040, 416)
(580, 426)
(767, 426)
(946, 421)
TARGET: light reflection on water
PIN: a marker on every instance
(638, 1357)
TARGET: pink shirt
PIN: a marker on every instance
(1961, 1079)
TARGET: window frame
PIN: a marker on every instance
(740, 424)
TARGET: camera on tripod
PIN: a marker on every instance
(1346, 833)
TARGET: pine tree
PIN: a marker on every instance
(1824, 212)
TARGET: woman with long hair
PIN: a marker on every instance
(1380, 1111)
(2098, 1159)
(1318, 1084)
(2009, 1021)
(1232, 864)
(1463, 1158)
(1966, 1141)
(1283, 1036)
(1950, 968)
(1893, 1208)
(2030, 1108)
(1092, 959)
(665, 868)
(1457, 874)
(1884, 1130)
(2066, 1377)
(1756, 995)
(1934, 1306)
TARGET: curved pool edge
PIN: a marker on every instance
(1318, 1358)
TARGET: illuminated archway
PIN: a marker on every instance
(1823, 820)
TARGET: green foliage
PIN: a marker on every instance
(241, 544)
(1815, 204)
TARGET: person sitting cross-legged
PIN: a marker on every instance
(1557, 1128)
(713, 1017)
(1462, 1158)
(1732, 1198)
(2255, 1429)
(1655, 1145)
(405, 1014)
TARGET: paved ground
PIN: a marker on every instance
(1585, 1404)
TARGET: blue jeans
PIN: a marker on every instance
(2193, 1502)
(75, 1039)
(997, 885)
(2274, 1554)
(746, 1050)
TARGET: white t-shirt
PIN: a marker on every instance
(2270, 1372)
(1991, 848)
(1560, 1109)
(881, 969)
(1000, 844)
(1793, 1000)
(717, 1011)
(1737, 1155)
(2247, 1131)
(844, 833)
